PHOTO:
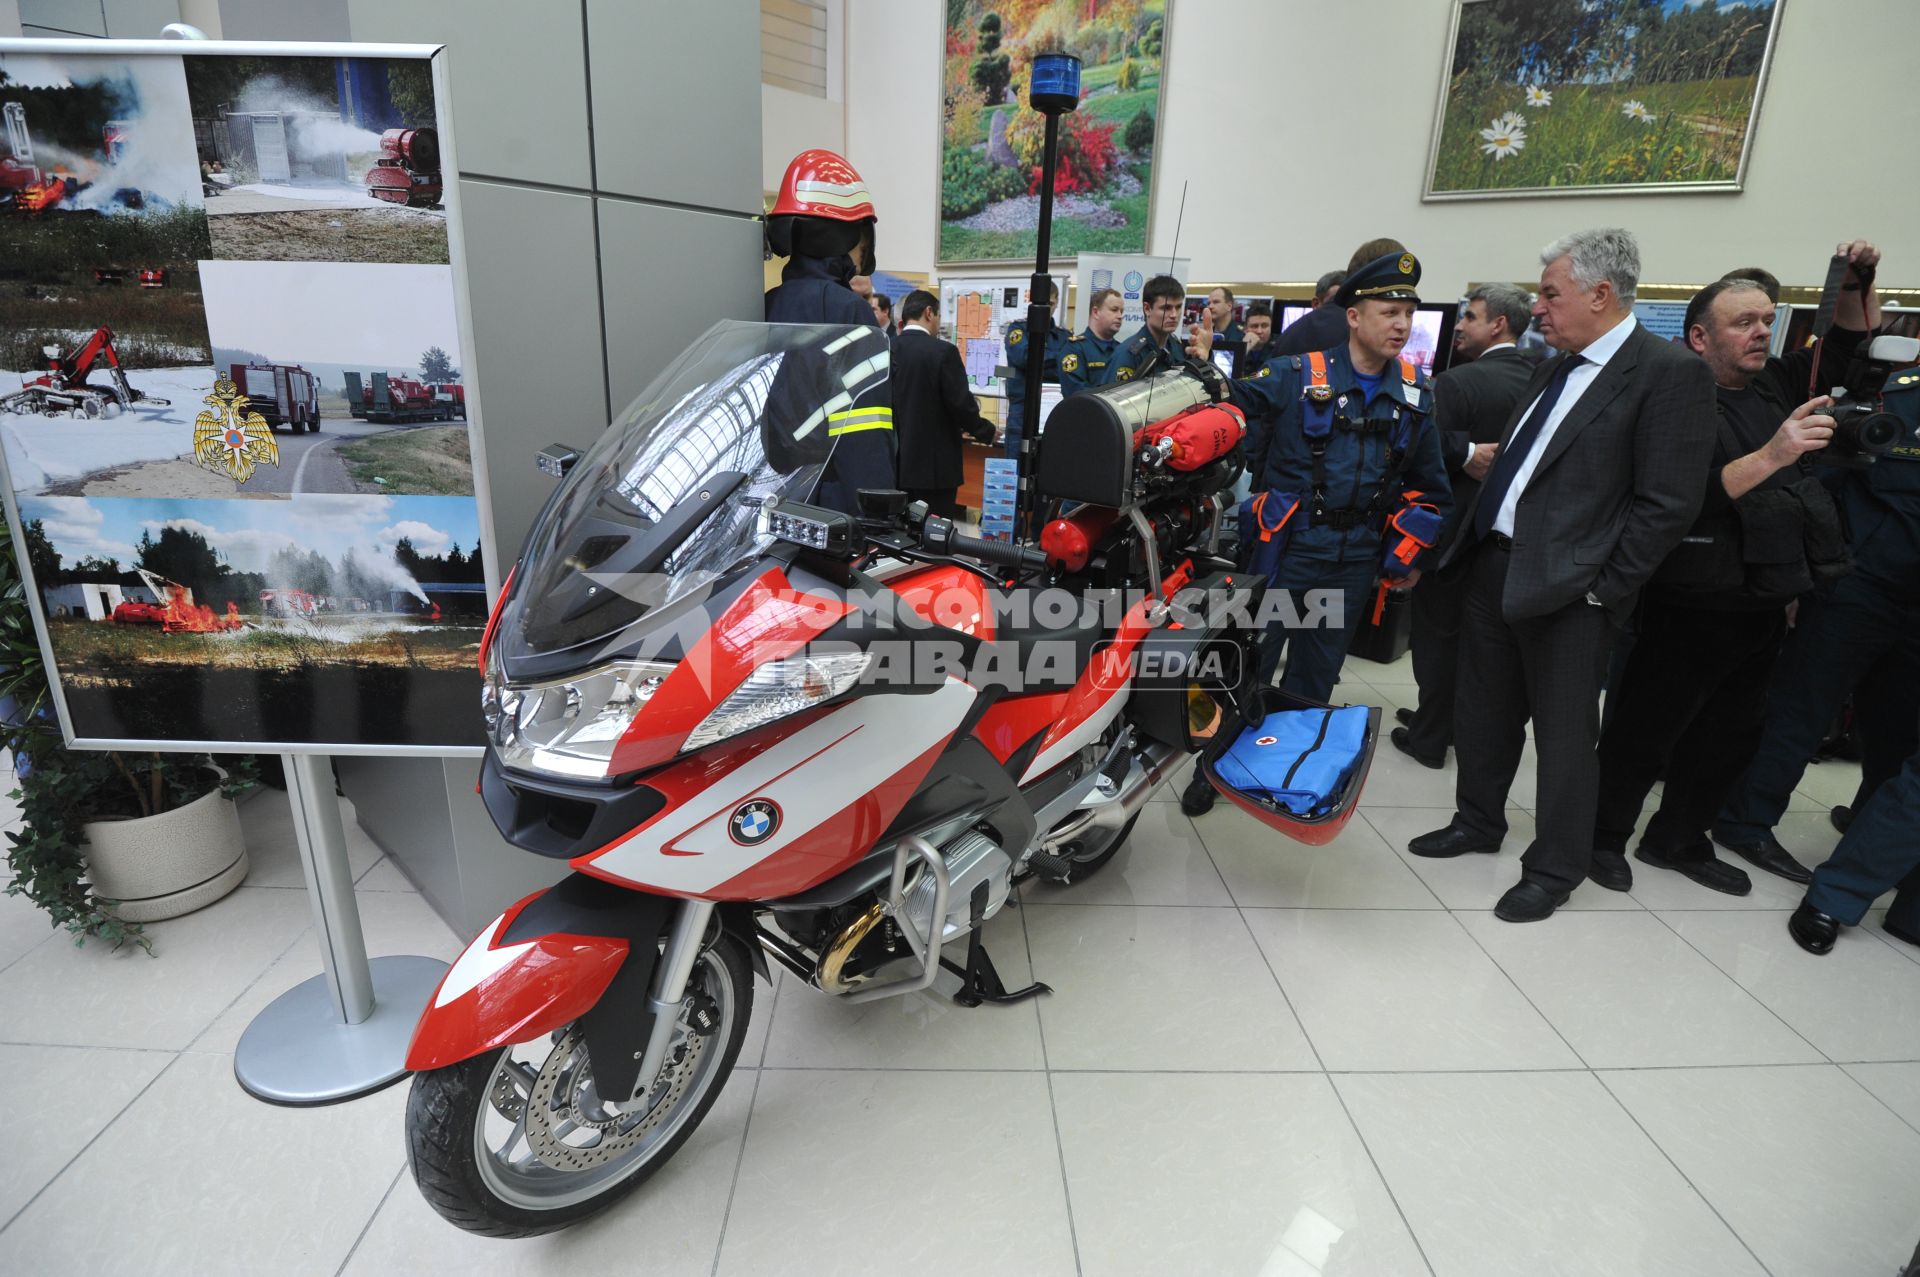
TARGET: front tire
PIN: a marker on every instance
(477, 1130)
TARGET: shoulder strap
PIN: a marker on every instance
(1316, 423)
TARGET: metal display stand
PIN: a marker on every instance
(344, 1033)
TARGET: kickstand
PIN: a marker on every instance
(980, 979)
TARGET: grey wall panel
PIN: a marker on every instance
(283, 20)
(493, 872)
(530, 271)
(139, 19)
(676, 101)
(402, 804)
(667, 273)
(519, 80)
(81, 17)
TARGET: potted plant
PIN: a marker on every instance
(107, 839)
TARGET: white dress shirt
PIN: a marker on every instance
(1597, 353)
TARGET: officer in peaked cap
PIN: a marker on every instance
(1336, 437)
(1394, 277)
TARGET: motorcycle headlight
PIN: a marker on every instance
(777, 689)
(567, 727)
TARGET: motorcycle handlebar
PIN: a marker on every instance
(940, 535)
(1003, 553)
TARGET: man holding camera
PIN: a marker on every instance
(1689, 703)
(1867, 628)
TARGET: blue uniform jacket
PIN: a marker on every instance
(1087, 363)
(1018, 353)
(1881, 503)
(1280, 459)
(1137, 349)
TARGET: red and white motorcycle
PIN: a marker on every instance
(760, 729)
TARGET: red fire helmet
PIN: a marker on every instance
(820, 183)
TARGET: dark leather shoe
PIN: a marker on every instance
(1404, 717)
(1841, 817)
(1197, 798)
(1711, 873)
(1402, 741)
(1528, 901)
(1611, 870)
(1766, 853)
(1909, 934)
(1451, 841)
(1812, 930)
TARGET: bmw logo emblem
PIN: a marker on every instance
(755, 822)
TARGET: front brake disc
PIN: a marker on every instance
(563, 1093)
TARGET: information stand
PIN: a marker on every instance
(266, 230)
(343, 1033)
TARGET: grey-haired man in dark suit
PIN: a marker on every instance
(1599, 475)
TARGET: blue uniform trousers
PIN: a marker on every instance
(1855, 631)
(1314, 655)
(1881, 850)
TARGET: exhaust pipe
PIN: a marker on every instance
(1111, 804)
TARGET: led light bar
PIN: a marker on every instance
(815, 527)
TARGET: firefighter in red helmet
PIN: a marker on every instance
(822, 223)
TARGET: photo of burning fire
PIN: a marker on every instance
(317, 621)
(102, 229)
(319, 159)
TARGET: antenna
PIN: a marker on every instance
(1179, 221)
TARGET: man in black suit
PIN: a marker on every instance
(1472, 404)
(932, 406)
(1596, 480)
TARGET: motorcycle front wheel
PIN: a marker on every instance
(516, 1141)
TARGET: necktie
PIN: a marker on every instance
(1494, 493)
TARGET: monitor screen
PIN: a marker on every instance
(1430, 345)
(1226, 356)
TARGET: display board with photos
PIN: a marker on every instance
(975, 314)
(237, 409)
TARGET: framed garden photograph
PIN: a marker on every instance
(1593, 97)
(991, 139)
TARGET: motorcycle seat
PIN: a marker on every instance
(1051, 653)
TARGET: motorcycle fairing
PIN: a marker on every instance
(836, 778)
(546, 962)
(767, 621)
(1102, 692)
(1014, 721)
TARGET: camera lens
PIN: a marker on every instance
(1878, 433)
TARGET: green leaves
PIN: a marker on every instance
(60, 790)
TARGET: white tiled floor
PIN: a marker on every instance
(1259, 1058)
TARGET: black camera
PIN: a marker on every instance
(1862, 429)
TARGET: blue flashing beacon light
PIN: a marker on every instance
(1055, 83)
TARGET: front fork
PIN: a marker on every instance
(669, 990)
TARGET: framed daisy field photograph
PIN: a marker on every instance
(1588, 97)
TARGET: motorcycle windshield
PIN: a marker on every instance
(668, 500)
